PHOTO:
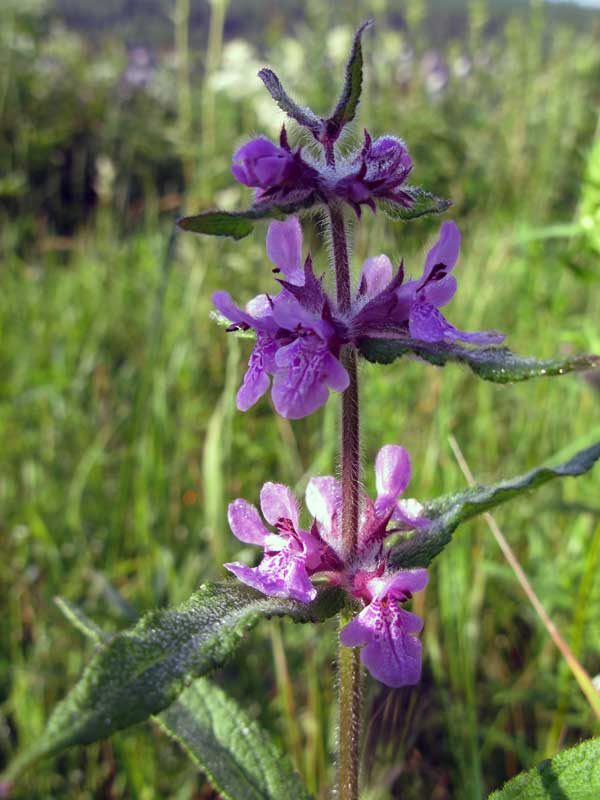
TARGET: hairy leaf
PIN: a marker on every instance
(236, 754)
(238, 224)
(573, 774)
(448, 512)
(423, 203)
(496, 364)
(345, 109)
(303, 115)
(142, 670)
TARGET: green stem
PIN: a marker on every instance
(350, 717)
(349, 689)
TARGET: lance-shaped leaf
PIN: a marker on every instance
(303, 115)
(423, 203)
(573, 774)
(238, 224)
(496, 364)
(235, 753)
(345, 109)
(142, 670)
(448, 512)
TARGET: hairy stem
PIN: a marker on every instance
(349, 692)
(340, 258)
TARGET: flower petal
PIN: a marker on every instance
(336, 375)
(256, 380)
(445, 251)
(284, 248)
(323, 500)
(260, 163)
(226, 306)
(392, 475)
(376, 274)
(280, 575)
(439, 293)
(399, 584)
(305, 368)
(429, 325)
(245, 522)
(277, 502)
(408, 513)
(392, 653)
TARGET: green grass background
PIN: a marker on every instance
(121, 446)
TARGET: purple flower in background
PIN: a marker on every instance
(292, 556)
(140, 68)
(378, 171)
(298, 343)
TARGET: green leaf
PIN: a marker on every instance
(142, 670)
(573, 774)
(238, 224)
(345, 110)
(218, 223)
(448, 512)
(303, 115)
(496, 364)
(423, 203)
(234, 752)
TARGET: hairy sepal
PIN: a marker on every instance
(142, 670)
(448, 512)
(573, 774)
(230, 748)
(496, 364)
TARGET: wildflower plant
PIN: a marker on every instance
(358, 557)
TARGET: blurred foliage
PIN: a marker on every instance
(121, 447)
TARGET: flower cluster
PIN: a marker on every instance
(294, 556)
(300, 330)
(377, 171)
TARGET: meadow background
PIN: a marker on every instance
(120, 444)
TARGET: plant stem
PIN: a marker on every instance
(350, 717)
(349, 677)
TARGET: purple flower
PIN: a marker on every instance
(292, 556)
(378, 171)
(412, 308)
(262, 164)
(283, 569)
(297, 341)
(300, 330)
(271, 169)
(392, 653)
